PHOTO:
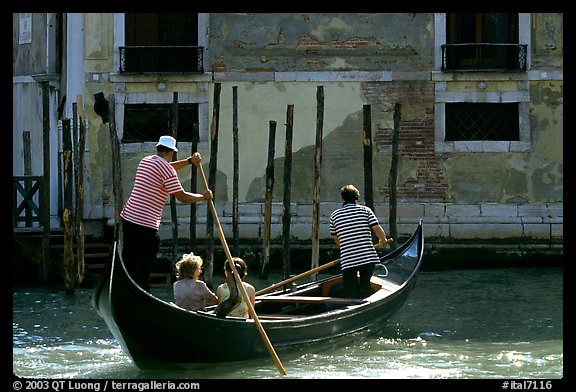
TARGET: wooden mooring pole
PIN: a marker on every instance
(45, 193)
(394, 174)
(193, 186)
(268, 204)
(235, 234)
(80, 267)
(116, 173)
(287, 189)
(173, 212)
(67, 217)
(367, 142)
(209, 260)
(317, 178)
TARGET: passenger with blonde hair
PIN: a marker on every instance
(189, 292)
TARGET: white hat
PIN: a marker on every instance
(167, 141)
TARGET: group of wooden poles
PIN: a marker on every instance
(367, 143)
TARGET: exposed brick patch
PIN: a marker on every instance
(416, 140)
(317, 64)
(307, 43)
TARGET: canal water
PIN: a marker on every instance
(458, 324)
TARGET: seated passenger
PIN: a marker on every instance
(223, 291)
(189, 292)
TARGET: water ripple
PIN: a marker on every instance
(455, 325)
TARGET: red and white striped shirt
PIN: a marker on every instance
(155, 180)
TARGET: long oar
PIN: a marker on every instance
(239, 280)
(300, 276)
(304, 274)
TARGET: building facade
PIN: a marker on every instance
(479, 98)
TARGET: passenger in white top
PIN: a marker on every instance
(223, 291)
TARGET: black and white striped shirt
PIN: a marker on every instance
(352, 224)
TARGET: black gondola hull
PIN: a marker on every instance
(155, 333)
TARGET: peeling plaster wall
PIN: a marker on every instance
(277, 60)
(546, 163)
(29, 57)
(289, 42)
(260, 103)
(547, 40)
(420, 175)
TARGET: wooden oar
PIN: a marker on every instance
(239, 280)
(304, 274)
(300, 276)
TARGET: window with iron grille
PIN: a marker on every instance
(147, 122)
(482, 121)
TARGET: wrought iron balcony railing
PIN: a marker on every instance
(138, 59)
(484, 57)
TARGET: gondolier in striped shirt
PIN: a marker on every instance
(156, 179)
(351, 227)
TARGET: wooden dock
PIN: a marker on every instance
(27, 258)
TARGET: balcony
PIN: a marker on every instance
(140, 59)
(484, 57)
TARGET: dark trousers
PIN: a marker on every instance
(357, 281)
(140, 246)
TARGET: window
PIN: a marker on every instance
(478, 112)
(496, 28)
(147, 122)
(163, 29)
(482, 121)
(165, 42)
(483, 41)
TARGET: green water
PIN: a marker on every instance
(458, 324)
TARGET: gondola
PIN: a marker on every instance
(155, 333)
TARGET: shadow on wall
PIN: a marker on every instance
(342, 153)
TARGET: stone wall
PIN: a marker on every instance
(445, 224)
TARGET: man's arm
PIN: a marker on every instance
(381, 234)
(195, 159)
(336, 240)
(189, 197)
